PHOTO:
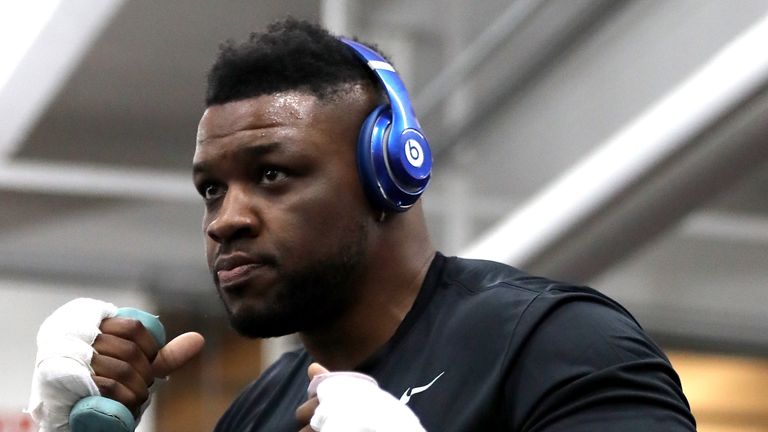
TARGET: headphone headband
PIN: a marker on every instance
(403, 116)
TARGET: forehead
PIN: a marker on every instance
(286, 117)
(260, 113)
(289, 121)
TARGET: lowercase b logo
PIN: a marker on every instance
(414, 153)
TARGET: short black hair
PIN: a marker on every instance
(290, 55)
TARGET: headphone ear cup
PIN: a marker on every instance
(370, 154)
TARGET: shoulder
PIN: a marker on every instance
(479, 276)
(574, 357)
(514, 295)
(503, 313)
(543, 317)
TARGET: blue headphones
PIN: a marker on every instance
(393, 156)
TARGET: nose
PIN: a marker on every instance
(235, 218)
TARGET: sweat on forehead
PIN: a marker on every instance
(285, 108)
(254, 113)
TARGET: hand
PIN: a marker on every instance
(126, 360)
(305, 412)
(68, 368)
(351, 402)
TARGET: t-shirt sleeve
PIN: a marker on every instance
(586, 365)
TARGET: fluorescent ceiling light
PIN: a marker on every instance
(653, 140)
(20, 24)
(42, 42)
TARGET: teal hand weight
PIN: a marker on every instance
(101, 414)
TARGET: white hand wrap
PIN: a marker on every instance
(63, 371)
(353, 403)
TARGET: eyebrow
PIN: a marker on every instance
(250, 152)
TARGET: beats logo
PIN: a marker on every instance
(414, 153)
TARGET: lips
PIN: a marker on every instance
(229, 277)
(233, 270)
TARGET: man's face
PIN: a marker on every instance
(286, 221)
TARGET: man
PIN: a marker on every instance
(300, 240)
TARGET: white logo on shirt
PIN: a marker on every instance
(412, 391)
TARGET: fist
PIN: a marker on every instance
(84, 350)
(352, 402)
(122, 362)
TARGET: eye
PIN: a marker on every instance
(211, 191)
(272, 175)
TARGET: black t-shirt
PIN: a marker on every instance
(487, 347)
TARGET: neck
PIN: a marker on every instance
(396, 268)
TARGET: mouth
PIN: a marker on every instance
(236, 275)
(233, 271)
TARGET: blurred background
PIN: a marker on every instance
(619, 144)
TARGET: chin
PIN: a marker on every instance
(314, 296)
(256, 322)
(260, 317)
